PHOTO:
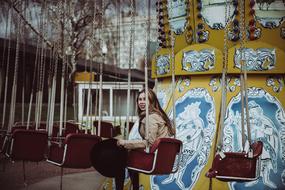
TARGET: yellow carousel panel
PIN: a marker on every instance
(197, 105)
(266, 102)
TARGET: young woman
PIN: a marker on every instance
(159, 126)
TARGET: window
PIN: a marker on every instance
(114, 100)
(120, 101)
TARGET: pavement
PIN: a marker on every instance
(46, 176)
(83, 181)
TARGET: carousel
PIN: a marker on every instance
(69, 80)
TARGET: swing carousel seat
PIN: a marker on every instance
(107, 129)
(74, 151)
(28, 145)
(163, 157)
(68, 127)
(5, 147)
(71, 128)
(237, 166)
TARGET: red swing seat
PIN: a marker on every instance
(163, 157)
(107, 129)
(237, 166)
(28, 145)
(74, 151)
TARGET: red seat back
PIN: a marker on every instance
(15, 127)
(166, 150)
(107, 129)
(78, 148)
(28, 145)
(225, 167)
(257, 148)
(71, 128)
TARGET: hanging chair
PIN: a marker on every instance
(7, 138)
(163, 157)
(69, 127)
(28, 145)
(237, 166)
(73, 153)
(107, 129)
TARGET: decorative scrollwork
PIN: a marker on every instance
(194, 61)
(275, 82)
(261, 59)
(215, 83)
(162, 64)
(183, 83)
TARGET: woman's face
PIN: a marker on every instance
(141, 101)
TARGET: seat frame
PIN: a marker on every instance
(154, 151)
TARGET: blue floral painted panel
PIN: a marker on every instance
(195, 125)
(267, 123)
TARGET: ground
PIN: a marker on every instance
(11, 173)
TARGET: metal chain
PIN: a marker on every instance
(9, 21)
(101, 67)
(16, 68)
(173, 82)
(131, 55)
(146, 69)
(62, 90)
(224, 79)
(159, 47)
(244, 68)
(41, 70)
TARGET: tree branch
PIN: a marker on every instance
(30, 25)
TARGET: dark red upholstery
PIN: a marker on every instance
(28, 145)
(71, 128)
(257, 148)
(166, 150)
(15, 127)
(74, 152)
(55, 152)
(107, 129)
(32, 125)
(140, 159)
(225, 169)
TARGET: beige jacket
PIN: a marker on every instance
(157, 129)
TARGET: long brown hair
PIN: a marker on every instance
(154, 106)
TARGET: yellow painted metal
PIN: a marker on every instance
(84, 76)
(280, 58)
